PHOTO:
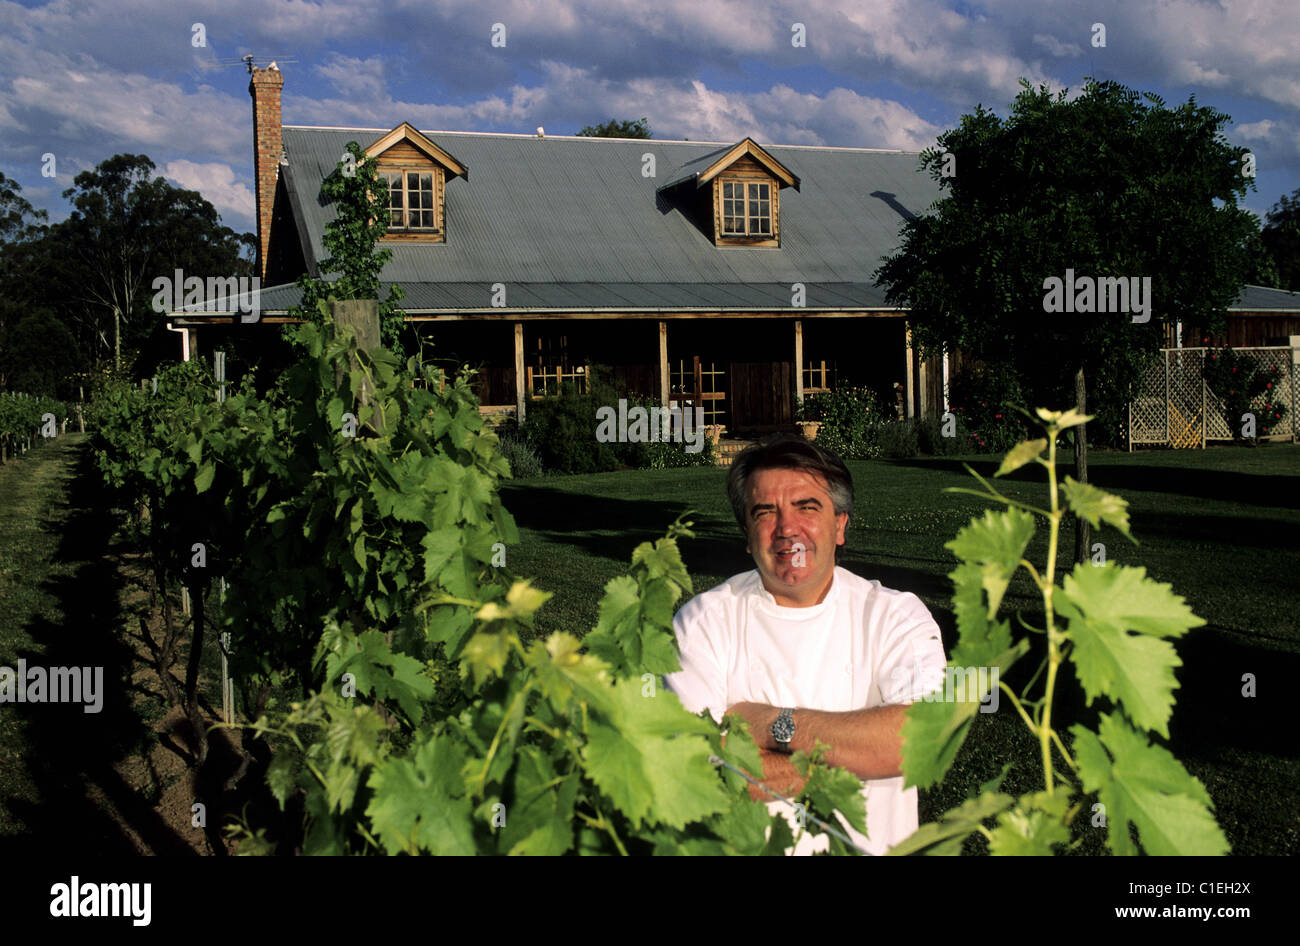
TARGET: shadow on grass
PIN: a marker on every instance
(1274, 491)
(68, 748)
(71, 752)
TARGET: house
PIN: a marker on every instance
(733, 276)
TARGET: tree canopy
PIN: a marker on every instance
(617, 129)
(1110, 183)
(1281, 237)
(128, 227)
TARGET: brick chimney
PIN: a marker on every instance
(265, 87)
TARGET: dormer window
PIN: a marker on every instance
(733, 194)
(412, 204)
(416, 171)
(746, 208)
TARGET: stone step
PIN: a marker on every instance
(729, 449)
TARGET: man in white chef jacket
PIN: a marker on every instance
(807, 651)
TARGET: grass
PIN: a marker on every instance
(59, 604)
(1219, 525)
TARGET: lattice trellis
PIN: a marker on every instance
(1175, 406)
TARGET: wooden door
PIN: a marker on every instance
(761, 393)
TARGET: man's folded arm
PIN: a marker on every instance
(867, 742)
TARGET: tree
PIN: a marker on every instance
(19, 220)
(361, 219)
(617, 129)
(126, 228)
(36, 354)
(20, 225)
(1109, 184)
(1281, 237)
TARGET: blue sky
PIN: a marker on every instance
(85, 80)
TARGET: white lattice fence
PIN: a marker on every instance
(1174, 406)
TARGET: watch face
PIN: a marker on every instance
(783, 728)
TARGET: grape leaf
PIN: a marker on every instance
(1020, 454)
(996, 543)
(415, 805)
(1144, 784)
(1097, 506)
(649, 758)
(562, 672)
(1102, 604)
(539, 821)
(1032, 826)
(945, 836)
(933, 731)
(830, 789)
(203, 478)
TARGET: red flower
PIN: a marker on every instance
(997, 416)
(1234, 369)
(1269, 385)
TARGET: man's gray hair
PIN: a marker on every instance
(788, 452)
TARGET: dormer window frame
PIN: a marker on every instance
(436, 196)
(757, 206)
(752, 213)
(747, 164)
(406, 151)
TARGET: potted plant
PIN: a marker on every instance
(805, 412)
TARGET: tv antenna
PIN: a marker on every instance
(250, 61)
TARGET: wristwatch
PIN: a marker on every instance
(783, 729)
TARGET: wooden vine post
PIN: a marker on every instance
(361, 317)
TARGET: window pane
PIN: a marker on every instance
(426, 219)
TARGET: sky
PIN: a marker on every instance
(85, 80)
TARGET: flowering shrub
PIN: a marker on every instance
(1244, 387)
(979, 400)
(852, 420)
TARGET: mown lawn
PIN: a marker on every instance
(1219, 525)
(59, 603)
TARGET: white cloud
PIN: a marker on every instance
(1056, 47)
(1256, 131)
(355, 78)
(217, 183)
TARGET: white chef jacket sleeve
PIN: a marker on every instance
(912, 660)
(702, 682)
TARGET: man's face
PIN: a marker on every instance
(793, 530)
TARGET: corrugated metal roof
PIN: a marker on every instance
(424, 298)
(694, 167)
(1258, 298)
(571, 223)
